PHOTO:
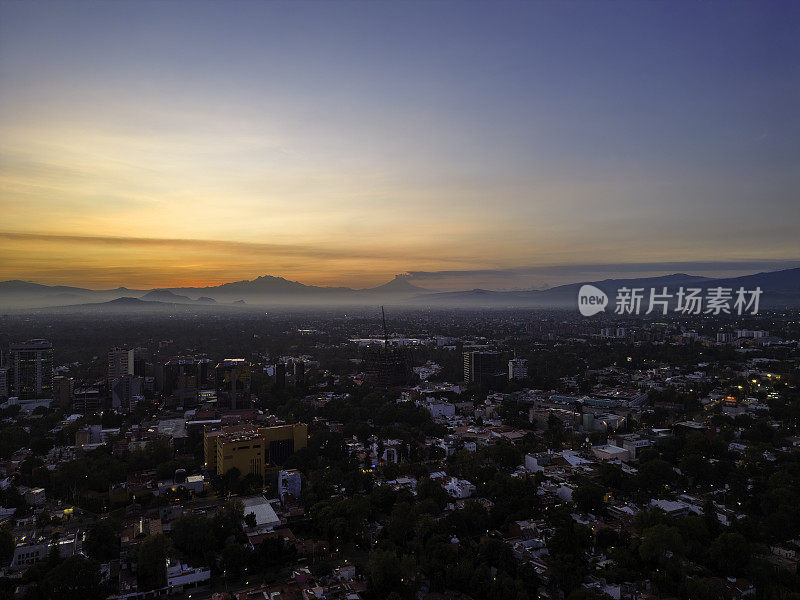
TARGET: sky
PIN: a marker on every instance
(504, 145)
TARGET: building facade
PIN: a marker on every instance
(250, 449)
(517, 369)
(232, 377)
(31, 369)
(120, 362)
(484, 367)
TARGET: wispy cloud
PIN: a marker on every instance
(135, 261)
(257, 248)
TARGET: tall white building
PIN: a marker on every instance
(289, 482)
(517, 368)
(120, 362)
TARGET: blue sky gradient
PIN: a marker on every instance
(347, 141)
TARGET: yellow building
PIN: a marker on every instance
(252, 450)
(243, 451)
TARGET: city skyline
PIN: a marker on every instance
(155, 145)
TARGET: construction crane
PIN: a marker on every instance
(385, 332)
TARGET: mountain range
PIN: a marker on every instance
(779, 289)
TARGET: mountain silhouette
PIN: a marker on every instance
(780, 289)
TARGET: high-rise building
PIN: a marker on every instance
(31, 369)
(63, 388)
(87, 399)
(280, 375)
(387, 366)
(484, 367)
(4, 383)
(517, 368)
(232, 377)
(125, 391)
(165, 350)
(184, 377)
(141, 356)
(120, 362)
(299, 372)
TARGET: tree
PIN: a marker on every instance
(569, 538)
(102, 541)
(695, 536)
(275, 552)
(611, 475)
(193, 535)
(227, 523)
(659, 540)
(427, 488)
(587, 594)
(730, 553)
(401, 523)
(6, 544)
(390, 573)
(495, 553)
(588, 497)
(566, 572)
(606, 537)
(471, 521)
(710, 517)
(250, 484)
(76, 578)
(234, 559)
(152, 562)
(705, 589)
(41, 445)
(655, 474)
(231, 478)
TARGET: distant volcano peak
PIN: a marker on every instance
(400, 283)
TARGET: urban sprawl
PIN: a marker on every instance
(449, 454)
